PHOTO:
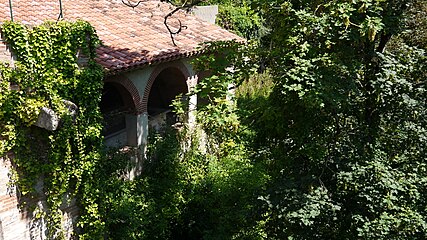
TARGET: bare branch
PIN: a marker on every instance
(168, 27)
(61, 15)
(186, 5)
(132, 5)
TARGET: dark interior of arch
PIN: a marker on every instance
(167, 85)
(116, 102)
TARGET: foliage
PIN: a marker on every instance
(252, 97)
(184, 194)
(345, 125)
(240, 18)
(339, 134)
(415, 33)
(44, 74)
(328, 143)
(196, 184)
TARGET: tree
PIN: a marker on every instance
(345, 127)
(329, 143)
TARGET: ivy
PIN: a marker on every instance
(45, 74)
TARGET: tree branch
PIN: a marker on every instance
(383, 42)
(168, 27)
(186, 5)
(132, 5)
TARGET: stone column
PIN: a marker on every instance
(137, 134)
(137, 129)
(191, 83)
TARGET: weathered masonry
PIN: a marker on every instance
(144, 71)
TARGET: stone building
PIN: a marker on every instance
(144, 71)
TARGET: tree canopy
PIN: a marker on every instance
(325, 136)
(316, 128)
(346, 123)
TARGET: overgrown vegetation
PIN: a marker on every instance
(338, 141)
(65, 160)
(181, 195)
(345, 124)
(328, 143)
(240, 18)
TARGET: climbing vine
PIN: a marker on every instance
(46, 74)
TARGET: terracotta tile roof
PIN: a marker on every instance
(131, 38)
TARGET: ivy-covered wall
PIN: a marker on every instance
(56, 173)
(5, 53)
(50, 171)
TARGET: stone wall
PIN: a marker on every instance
(17, 223)
(5, 53)
(13, 222)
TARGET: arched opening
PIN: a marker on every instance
(116, 102)
(168, 84)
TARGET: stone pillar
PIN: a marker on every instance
(192, 110)
(191, 83)
(143, 130)
(137, 129)
(137, 134)
(131, 130)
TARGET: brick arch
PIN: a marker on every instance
(178, 65)
(130, 87)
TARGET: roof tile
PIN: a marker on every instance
(130, 37)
